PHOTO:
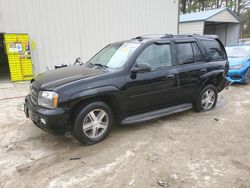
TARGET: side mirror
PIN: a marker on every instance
(140, 68)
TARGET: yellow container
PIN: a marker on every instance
(20, 62)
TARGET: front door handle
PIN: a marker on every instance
(203, 70)
(170, 76)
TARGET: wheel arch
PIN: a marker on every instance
(217, 79)
(110, 98)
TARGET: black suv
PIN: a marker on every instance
(128, 82)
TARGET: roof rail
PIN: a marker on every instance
(140, 38)
(211, 36)
(148, 36)
(176, 36)
(168, 36)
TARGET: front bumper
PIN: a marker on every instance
(236, 76)
(53, 121)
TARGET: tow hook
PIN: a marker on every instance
(229, 83)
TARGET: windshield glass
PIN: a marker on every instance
(238, 51)
(115, 55)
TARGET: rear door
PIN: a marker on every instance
(216, 55)
(190, 67)
(217, 62)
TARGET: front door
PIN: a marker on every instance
(154, 89)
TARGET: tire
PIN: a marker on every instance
(247, 77)
(201, 103)
(92, 123)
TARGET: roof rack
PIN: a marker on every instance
(140, 38)
(148, 36)
(168, 36)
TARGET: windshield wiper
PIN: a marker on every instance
(89, 63)
(101, 65)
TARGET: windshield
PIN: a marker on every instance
(115, 55)
(238, 51)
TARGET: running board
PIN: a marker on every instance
(156, 114)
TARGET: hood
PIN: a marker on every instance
(237, 61)
(57, 77)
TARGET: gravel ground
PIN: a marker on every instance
(184, 150)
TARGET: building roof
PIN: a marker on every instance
(205, 15)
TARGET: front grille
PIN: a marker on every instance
(235, 77)
(34, 94)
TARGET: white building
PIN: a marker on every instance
(222, 22)
(61, 30)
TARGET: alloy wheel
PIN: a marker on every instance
(208, 99)
(95, 123)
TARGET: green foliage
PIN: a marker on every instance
(245, 27)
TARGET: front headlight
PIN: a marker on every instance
(236, 67)
(48, 99)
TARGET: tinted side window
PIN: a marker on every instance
(185, 53)
(158, 56)
(197, 53)
(214, 50)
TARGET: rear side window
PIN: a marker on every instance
(185, 53)
(197, 53)
(214, 50)
(188, 52)
(157, 56)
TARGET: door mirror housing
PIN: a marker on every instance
(140, 68)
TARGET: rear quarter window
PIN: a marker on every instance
(188, 52)
(214, 49)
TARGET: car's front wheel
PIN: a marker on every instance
(207, 99)
(247, 77)
(93, 123)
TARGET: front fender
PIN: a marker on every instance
(95, 92)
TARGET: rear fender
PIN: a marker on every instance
(216, 77)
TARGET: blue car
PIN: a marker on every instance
(239, 62)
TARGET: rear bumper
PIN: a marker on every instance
(53, 121)
(223, 84)
(236, 76)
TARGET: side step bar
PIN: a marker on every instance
(156, 114)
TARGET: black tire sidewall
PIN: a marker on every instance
(78, 132)
(198, 103)
(247, 80)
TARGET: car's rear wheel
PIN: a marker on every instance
(93, 123)
(207, 99)
(247, 77)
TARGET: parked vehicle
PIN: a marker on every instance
(239, 60)
(244, 41)
(128, 82)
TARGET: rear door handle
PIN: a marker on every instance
(170, 76)
(203, 70)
